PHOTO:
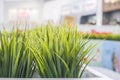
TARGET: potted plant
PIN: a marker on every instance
(16, 60)
(61, 52)
(53, 51)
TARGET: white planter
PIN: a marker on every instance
(89, 74)
(92, 74)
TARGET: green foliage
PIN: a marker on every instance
(60, 52)
(55, 51)
(115, 37)
(16, 59)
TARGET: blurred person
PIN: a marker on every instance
(115, 62)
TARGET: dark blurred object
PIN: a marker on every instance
(111, 18)
(88, 20)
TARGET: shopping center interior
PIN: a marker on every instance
(97, 17)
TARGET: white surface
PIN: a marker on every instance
(98, 74)
(109, 73)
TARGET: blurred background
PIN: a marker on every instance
(92, 16)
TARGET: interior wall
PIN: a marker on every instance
(52, 10)
(37, 4)
(1, 10)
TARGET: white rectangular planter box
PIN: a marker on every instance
(90, 74)
(96, 75)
